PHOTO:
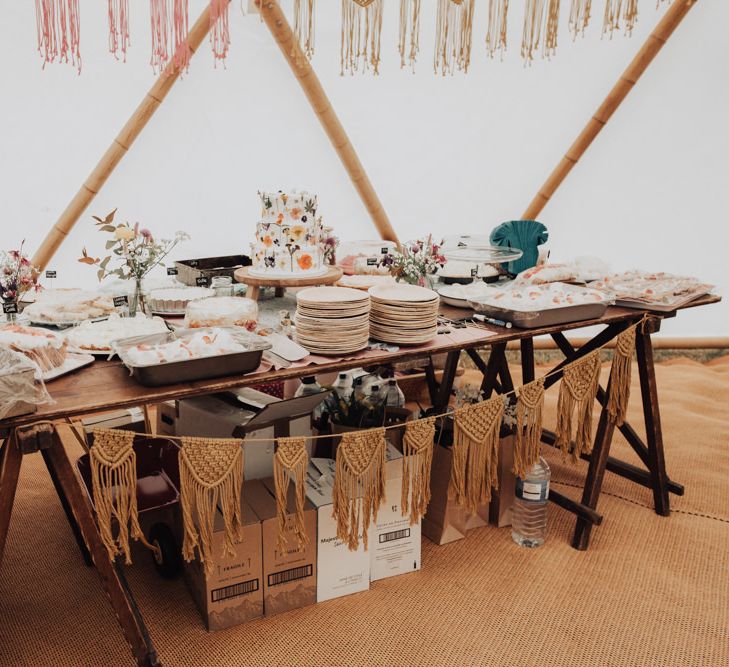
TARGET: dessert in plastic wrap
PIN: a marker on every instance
(97, 336)
(20, 392)
(47, 350)
(65, 307)
(364, 257)
(222, 311)
(651, 289)
(196, 346)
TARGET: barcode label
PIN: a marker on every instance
(234, 590)
(395, 535)
(286, 576)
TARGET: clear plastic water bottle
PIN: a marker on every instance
(310, 386)
(394, 398)
(343, 385)
(374, 395)
(359, 388)
(529, 512)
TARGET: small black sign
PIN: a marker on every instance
(201, 281)
(120, 301)
(172, 271)
(10, 308)
(474, 273)
(50, 274)
(372, 261)
(193, 263)
(384, 251)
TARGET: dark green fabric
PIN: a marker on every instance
(526, 235)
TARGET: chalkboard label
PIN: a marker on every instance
(193, 263)
(372, 261)
(10, 308)
(172, 271)
(474, 273)
(384, 251)
(50, 274)
(120, 301)
(201, 281)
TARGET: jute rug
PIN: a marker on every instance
(651, 591)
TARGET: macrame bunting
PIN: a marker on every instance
(476, 453)
(453, 36)
(409, 33)
(180, 29)
(304, 25)
(361, 32)
(529, 408)
(58, 25)
(617, 11)
(289, 463)
(170, 20)
(580, 12)
(219, 29)
(359, 484)
(497, 29)
(160, 21)
(541, 24)
(118, 12)
(211, 472)
(620, 375)
(577, 393)
(417, 450)
(114, 487)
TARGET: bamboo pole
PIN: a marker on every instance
(276, 21)
(655, 42)
(119, 148)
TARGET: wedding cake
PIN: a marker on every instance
(288, 236)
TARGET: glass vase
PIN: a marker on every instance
(137, 300)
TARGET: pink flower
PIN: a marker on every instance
(415, 248)
(146, 234)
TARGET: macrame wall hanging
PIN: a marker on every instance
(417, 450)
(577, 393)
(160, 21)
(304, 25)
(617, 12)
(580, 12)
(219, 29)
(453, 36)
(541, 25)
(211, 472)
(114, 487)
(497, 28)
(58, 25)
(289, 463)
(361, 32)
(409, 33)
(118, 12)
(359, 484)
(476, 452)
(620, 375)
(529, 409)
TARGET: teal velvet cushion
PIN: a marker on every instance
(526, 235)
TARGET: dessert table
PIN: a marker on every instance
(106, 385)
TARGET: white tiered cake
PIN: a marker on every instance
(288, 237)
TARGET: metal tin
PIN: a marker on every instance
(534, 319)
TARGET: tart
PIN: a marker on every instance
(45, 348)
(174, 300)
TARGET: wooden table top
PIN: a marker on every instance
(107, 385)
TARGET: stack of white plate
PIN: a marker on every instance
(332, 320)
(403, 314)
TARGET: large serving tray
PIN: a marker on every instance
(204, 368)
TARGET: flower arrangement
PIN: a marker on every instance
(353, 411)
(415, 262)
(329, 244)
(17, 275)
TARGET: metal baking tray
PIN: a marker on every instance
(204, 368)
(534, 319)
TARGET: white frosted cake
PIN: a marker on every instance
(288, 236)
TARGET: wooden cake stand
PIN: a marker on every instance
(255, 283)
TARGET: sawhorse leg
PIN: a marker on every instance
(10, 459)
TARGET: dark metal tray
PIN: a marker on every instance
(535, 319)
(205, 368)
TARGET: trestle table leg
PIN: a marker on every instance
(10, 459)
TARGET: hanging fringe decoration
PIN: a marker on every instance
(417, 450)
(160, 21)
(170, 21)
(617, 11)
(118, 28)
(114, 487)
(580, 12)
(476, 453)
(529, 408)
(289, 463)
(219, 29)
(211, 470)
(577, 391)
(359, 484)
(58, 25)
(409, 34)
(453, 36)
(361, 31)
(180, 29)
(304, 25)
(541, 26)
(497, 30)
(620, 375)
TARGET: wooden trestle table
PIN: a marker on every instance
(106, 385)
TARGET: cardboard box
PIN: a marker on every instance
(289, 577)
(233, 592)
(166, 423)
(339, 571)
(394, 544)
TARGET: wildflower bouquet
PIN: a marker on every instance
(415, 262)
